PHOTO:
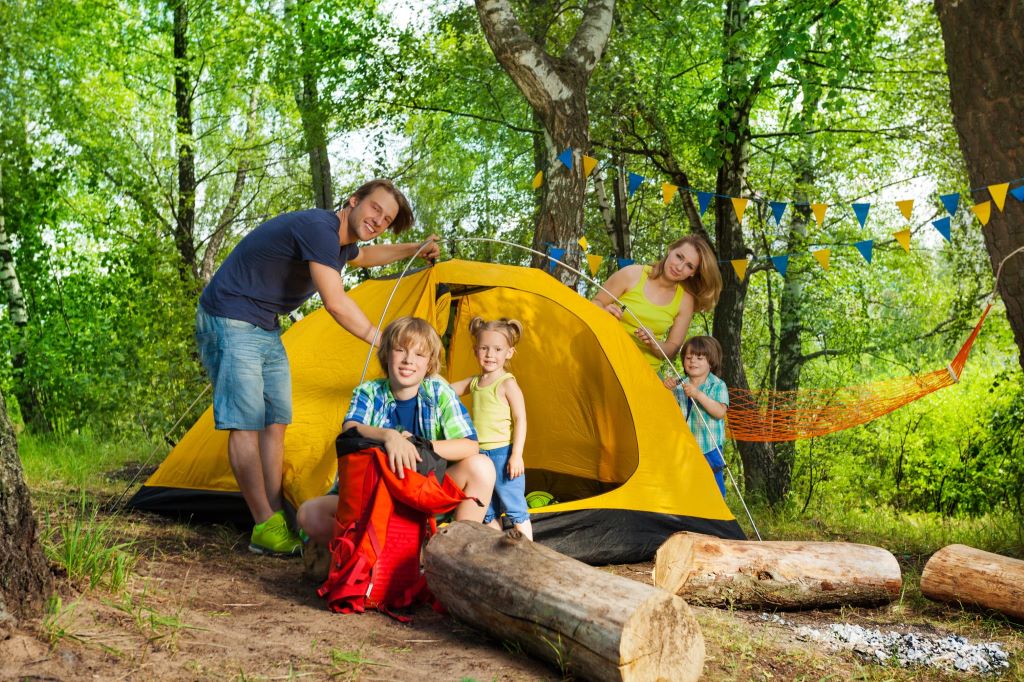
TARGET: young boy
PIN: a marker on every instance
(704, 399)
(411, 400)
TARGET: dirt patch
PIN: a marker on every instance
(201, 607)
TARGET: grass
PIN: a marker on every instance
(87, 547)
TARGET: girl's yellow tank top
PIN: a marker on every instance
(657, 318)
(492, 416)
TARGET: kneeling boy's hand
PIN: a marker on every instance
(402, 454)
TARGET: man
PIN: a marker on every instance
(272, 271)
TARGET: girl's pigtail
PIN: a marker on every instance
(514, 330)
(476, 325)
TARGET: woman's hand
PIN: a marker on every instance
(648, 339)
(402, 454)
(515, 466)
(614, 310)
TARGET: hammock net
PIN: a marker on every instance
(772, 416)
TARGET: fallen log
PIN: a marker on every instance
(974, 577)
(711, 571)
(592, 624)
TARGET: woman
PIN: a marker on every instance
(664, 296)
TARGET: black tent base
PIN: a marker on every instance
(197, 505)
(594, 536)
(620, 536)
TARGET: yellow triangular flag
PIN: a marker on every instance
(983, 211)
(998, 193)
(740, 266)
(595, 263)
(584, 244)
(822, 256)
(538, 180)
(906, 207)
(739, 204)
(819, 212)
(589, 164)
(903, 237)
(667, 192)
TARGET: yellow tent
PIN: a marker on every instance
(604, 437)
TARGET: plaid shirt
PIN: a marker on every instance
(441, 415)
(714, 433)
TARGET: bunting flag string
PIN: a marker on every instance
(982, 210)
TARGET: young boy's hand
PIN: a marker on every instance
(691, 391)
(402, 454)
(515, 466)
(670, 382)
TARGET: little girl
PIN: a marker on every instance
(499, 414)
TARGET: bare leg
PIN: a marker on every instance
(244, 456)
(475, 475)
(495, 523)
(272, 459)
(316, 517)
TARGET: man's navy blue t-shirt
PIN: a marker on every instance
(267, 274)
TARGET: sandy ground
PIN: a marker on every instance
(201, 607)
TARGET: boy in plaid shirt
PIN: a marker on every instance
(411, 400)
(704, 399)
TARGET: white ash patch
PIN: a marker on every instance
(905, 649)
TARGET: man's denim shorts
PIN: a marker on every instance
(252, 386)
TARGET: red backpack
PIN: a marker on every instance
(381, 525)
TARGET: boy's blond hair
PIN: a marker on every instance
(410, 332)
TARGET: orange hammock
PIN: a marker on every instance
(771, 416)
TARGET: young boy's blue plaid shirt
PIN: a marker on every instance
(441, 415)
(714, 433)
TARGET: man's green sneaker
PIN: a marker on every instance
(274, 537)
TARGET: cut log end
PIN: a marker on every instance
(959, 574)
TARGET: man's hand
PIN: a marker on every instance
(432, 250)
(515, 466)
(402, 454)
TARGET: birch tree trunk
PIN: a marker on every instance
(984, 49)
(8, 275)
(24, 573)
(556, 89)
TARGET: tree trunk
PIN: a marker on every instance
(556, 90)
(593, 624)
(984, 48)
(8, 275)
(185, 219)
(316, 142)
(24, 573)
(959, 574)
(777, 575)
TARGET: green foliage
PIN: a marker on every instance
(56, 463)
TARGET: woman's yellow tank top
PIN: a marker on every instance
(492, 416)
(657, 318)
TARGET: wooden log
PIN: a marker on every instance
(781, 575)
(592, 624)
(974, 577)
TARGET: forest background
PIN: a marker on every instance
(141, 140)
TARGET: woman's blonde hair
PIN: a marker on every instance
(512, 330)
(706, 283)
(410, 332)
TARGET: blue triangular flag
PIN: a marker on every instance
(623, 262)
(634, 183)
(781, 262)
(555, 253)
(942, 225)
(951, 202)
(1018, 193)
(778, 208)
(861, 211)
(865, 247)
(566, 158)
(703, 199)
